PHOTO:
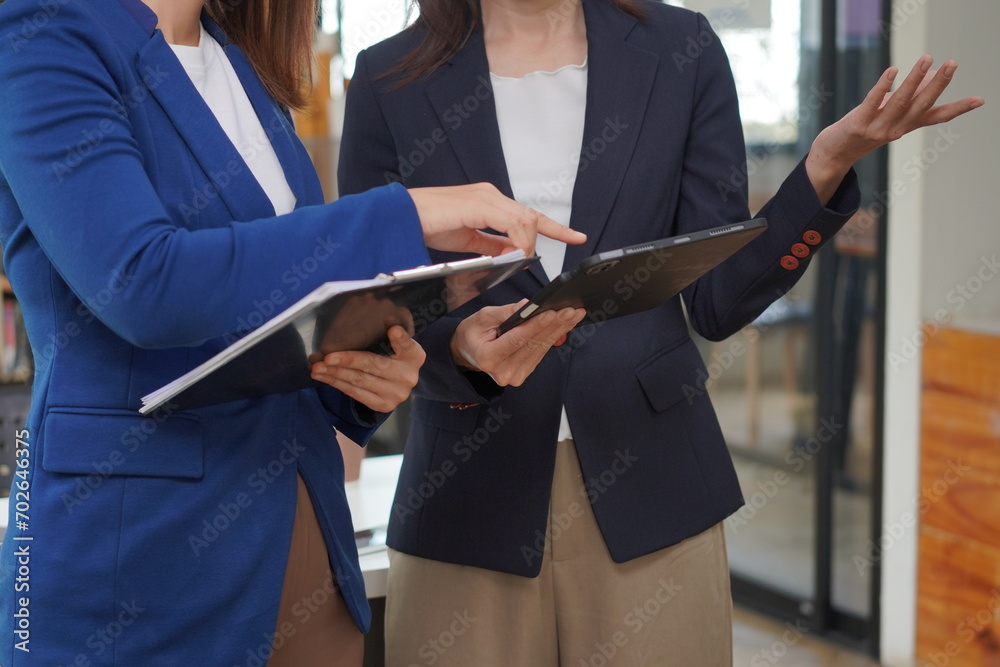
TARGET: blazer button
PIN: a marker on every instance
(800, 250)
(789, 262)
(812, 238)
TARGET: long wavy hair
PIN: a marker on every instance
(277, 38)
(447, 26)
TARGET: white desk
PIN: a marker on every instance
(370, 499)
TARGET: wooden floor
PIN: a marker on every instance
(760, 641)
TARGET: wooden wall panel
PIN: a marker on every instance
(963, 364)
(958, 610)
(959, 598)
(960, 467)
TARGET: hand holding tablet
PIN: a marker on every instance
(636, 278)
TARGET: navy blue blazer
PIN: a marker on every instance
(662, 142)
(136, 239)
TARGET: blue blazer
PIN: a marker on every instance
(662, 154)
(136, 239)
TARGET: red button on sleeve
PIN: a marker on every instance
(800, 250)
(812, 238)
(789, 262)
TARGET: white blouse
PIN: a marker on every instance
(214, 77)
(541, 117)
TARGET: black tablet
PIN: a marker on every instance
(630, 280)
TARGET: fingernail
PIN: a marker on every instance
(567, 316)
(319, 370)
(925, 64)
(977, 103)
(893, 71)
(949, 69)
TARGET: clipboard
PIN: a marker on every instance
(639, 277)
(336, 316)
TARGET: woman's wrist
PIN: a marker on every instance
(462, 361)
(826, 171)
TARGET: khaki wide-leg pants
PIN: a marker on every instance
(671, 607)
(314, 628)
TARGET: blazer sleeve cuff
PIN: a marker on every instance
(798, 200)
(441, 379)
(355, 420)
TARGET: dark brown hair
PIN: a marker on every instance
(447, 25)
(277, 38)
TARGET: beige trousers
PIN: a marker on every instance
(672, 607)
(314, 628)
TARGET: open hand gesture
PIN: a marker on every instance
(883, 117)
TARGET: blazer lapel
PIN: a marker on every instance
(462, 96)
(204, 137)
(619, 83)
(276, 124)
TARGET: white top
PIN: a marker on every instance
(541, 117)
(214, 77)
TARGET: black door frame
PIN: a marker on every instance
(819, 612)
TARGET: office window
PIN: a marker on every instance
(364, 23)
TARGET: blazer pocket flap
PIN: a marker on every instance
(121, 442)
(669, 376)
(443, 415)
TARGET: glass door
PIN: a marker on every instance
(796, 391)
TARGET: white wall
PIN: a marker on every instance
(961, 224)
(941, 224)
